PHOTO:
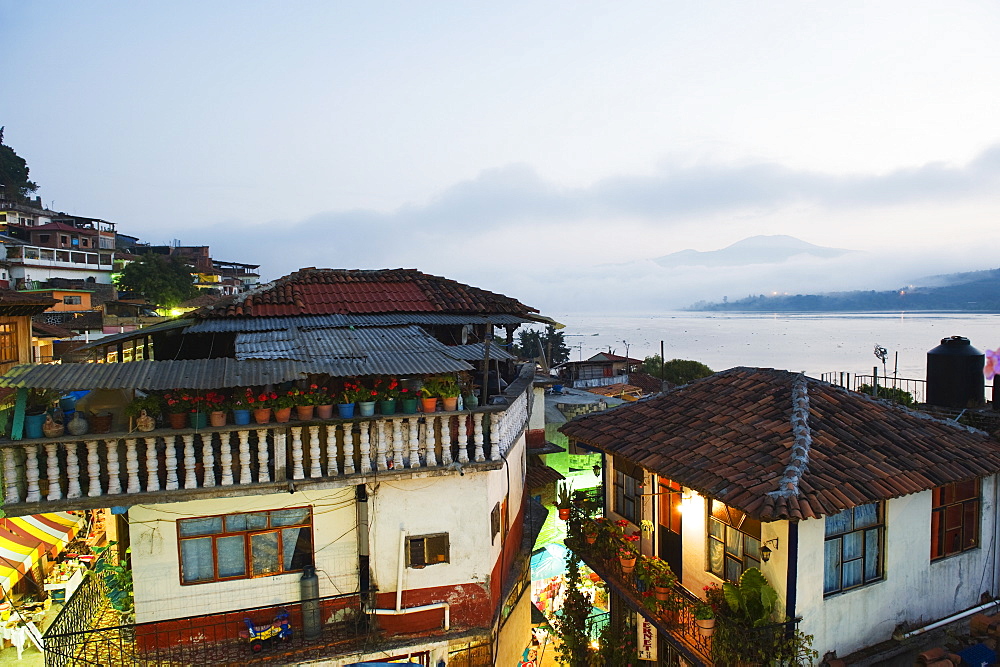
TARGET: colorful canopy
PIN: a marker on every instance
(24, 540)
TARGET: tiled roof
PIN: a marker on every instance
(618, 389)
(18, 303)
(646, 382)
(538, 476)
(778, 445)
(45, 330)
(329, 291)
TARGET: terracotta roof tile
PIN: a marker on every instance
(346, 291)
(732, 436)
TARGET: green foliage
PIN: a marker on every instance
(551, 343)
(152, 404)
(571, 623)
(894, 394)
(753, 598)
(164, 281)
(564, 494)
(440, 386)
(117, 579)
(14, 173)
(618, 644)
(676, 371)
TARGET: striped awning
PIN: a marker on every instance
(24, 540)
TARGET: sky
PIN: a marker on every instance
(549, 151)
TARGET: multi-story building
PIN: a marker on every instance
(45, 245)
(415, 523)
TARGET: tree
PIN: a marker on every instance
(14, 173)
(676, 371)
(551, 343)
(164, 281)
(571, 623)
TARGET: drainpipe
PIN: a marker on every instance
(399, 611)
(945, 621)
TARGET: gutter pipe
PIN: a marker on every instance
(399, 611)
(945, 621)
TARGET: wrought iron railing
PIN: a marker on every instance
(855, 381)
(217, 639)
(77, 616)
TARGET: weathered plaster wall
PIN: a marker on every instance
(914, 590)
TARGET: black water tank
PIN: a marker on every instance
(955, 374)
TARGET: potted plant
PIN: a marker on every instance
(177, 404)
(367, 401)
(564, 499)
(241, 403)
(305, 402)
(34, 416)
(347, 397)
(387, 390)
(704, 618)
(590, 530)
(627, 555)
(260, 405)
(407, 401)
(215, 404)
(449, 392)
(430, 391)
(324, 403)
(144, 408)
(659, 577)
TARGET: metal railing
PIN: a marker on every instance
(216, 639)
(886, 385)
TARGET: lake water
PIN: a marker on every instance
(810, 342)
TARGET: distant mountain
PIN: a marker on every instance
(753, 250)
(975, 291)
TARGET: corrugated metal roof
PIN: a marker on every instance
(138, 333)
(236, 325)
(326, 344)
(475, 352)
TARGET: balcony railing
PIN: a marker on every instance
(97, 470)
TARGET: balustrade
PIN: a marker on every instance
(49, 470)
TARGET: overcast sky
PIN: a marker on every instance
(546, 150)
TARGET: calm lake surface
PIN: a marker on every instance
(810, 342)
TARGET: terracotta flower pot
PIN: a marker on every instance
(178, 420)
(324, 411)
(262, 415)
(627, 563)
(661, 592)
(450, 403)
(428, 404)
(282, 415)
(564, 513)
(590, 538)
(706, 626)
(305, 412)
(217, 418)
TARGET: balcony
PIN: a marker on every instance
(57, 258)
(102, 470)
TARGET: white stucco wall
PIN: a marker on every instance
(914, 590)
(159, 594)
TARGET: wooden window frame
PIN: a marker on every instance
(863, 533)
(628, 482)
(419, 543)
(736, 523)
(247, 552)
(955, 517)
(8, 343)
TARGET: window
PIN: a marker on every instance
(63, 239)
(8, 343)
(733, 541)
(243, 546)
(44, 238)
(424, 550)
(853, 548)
(72, 300)
(628, 490)
(955, 518)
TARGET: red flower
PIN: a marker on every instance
(621, 522)
(314, 386)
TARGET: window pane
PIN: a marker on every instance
(838, 523)
(264, 554)
(971, 524)
(831, 571)
(866, 515)
(734, 539)
(236, 523)
(716, 529)
(853, 545)
(967, 490)
(873, 554)
(733, 569)
(289, 517)
(852, 573)
(196, 560)
(752, 547)
(232, 560)
(256, 521)
(715, 556)
(207, 526)
(296, 545)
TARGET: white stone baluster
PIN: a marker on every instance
(477, 430)
(430, 442)
(132, 465)
(380, 429)
(114, 481)
(297, 471)
(495, 436)
(31, 473)
(52, 471)
(152, 466)
(207, 460)
(93, 470)
(72, 472)
(170, 462)
(348, 449)
(226, 457)
(397, 443)
(414, 460)
(190, 478)
(446, 440)
(366, 448)
(463, 439)
(11, 494)
(332, 469)
(245, 457)
(263, 474)
(315, 469)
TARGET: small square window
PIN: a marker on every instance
(424, 550)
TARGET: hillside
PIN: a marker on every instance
(977, 291)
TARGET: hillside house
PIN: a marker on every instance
(602, 369)
(865, 516)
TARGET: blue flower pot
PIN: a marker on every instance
(345, 410)
(33, 425)
(367, 408)
(241, 417)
